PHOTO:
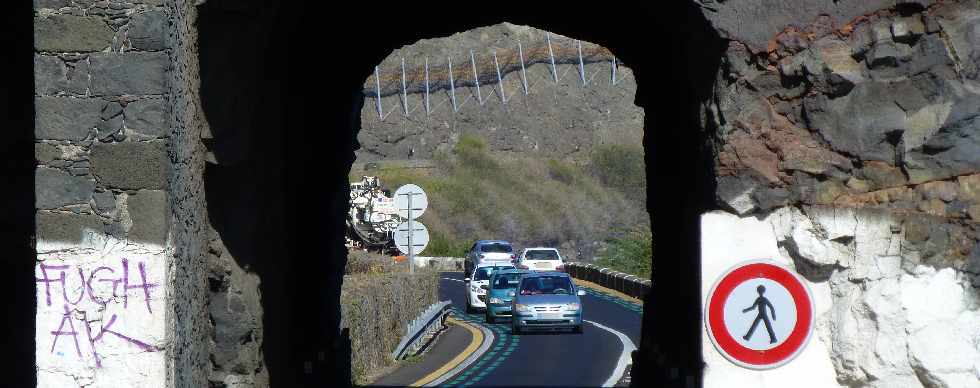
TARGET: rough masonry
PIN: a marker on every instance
(852, 131)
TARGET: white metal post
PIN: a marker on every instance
(411, 248)
(404, 93)
(613, 63)
(581, 64)
(452, 85)
(377, 93)
(551, 55)
(520, 51)
(476, 79)
(503, 97)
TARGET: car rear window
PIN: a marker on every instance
(496, 248)
(541, 254)
(483, 273)
(505, 281)
(546, 285)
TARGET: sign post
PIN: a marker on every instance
(759, 315)
(411, 202)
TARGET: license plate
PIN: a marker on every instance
(541, 265)
(550, 316)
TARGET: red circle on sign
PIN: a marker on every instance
(744, 356)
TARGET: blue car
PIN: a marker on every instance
(502, 284)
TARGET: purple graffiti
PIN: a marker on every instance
(86, 283)
(60, 332)
(58, 273)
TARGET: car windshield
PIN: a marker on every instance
(483, 273)
(541, 254)
(546, 285)
(496, 248)
(507, 280)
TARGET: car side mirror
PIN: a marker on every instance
(581, 292)
(466, 280)
(511, 294)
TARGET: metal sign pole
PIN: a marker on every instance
(411, 248)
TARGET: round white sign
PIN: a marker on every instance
(420, 237)
(414, 195)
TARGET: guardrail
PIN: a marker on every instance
(631, 285)
(421, 328)
(440, 263)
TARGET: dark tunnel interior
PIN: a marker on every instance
(280, 88)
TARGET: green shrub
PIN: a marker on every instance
(621, 167)
(632, 253)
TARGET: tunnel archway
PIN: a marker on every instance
(303, 130)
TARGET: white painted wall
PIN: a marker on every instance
(727, 240)
(96, 327)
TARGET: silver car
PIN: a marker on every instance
(546, 301)
(489, 251)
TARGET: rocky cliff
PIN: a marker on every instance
(563, 118)
(853, 128)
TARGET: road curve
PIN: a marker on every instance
(594, 358)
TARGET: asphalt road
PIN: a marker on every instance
(548, 359)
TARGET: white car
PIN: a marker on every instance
(478, 283)
(541, 259)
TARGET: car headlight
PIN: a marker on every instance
(496, 301)
(573, 306)
(523, 308)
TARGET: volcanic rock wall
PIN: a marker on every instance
(853, 130)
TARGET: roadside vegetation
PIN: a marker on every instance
(632, 253)
(576, 206)
(378, 299)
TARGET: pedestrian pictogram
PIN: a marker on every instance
(759, 315)
(760, 304)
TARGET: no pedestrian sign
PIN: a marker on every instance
(759, 315)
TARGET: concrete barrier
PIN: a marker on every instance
(631, 285)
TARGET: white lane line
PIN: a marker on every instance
(488, 339)
(624, 359)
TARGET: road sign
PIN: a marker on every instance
(419, 237)
(411, 197)
(759, 315)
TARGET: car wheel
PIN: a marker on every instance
(577, 329)
(514, 329)
(469, 309)
(490, 318)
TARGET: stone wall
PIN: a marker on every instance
(852, 131)
(188, 324)
(102, 192)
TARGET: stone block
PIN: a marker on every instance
(888, 54)
(109, 127)
(50, 75)
(131, 165)
(147, 117)
(67, 228)
(110, 110)
(736, 193)
(69, 33)
(65, 118)
(44, 153)
(148, 30)
(129, 73)
(78, 78)
(55, 188)
(51, 4)
(882, 175)
(969, 188)
(105, 203)
(942, 190)
(150, 212)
